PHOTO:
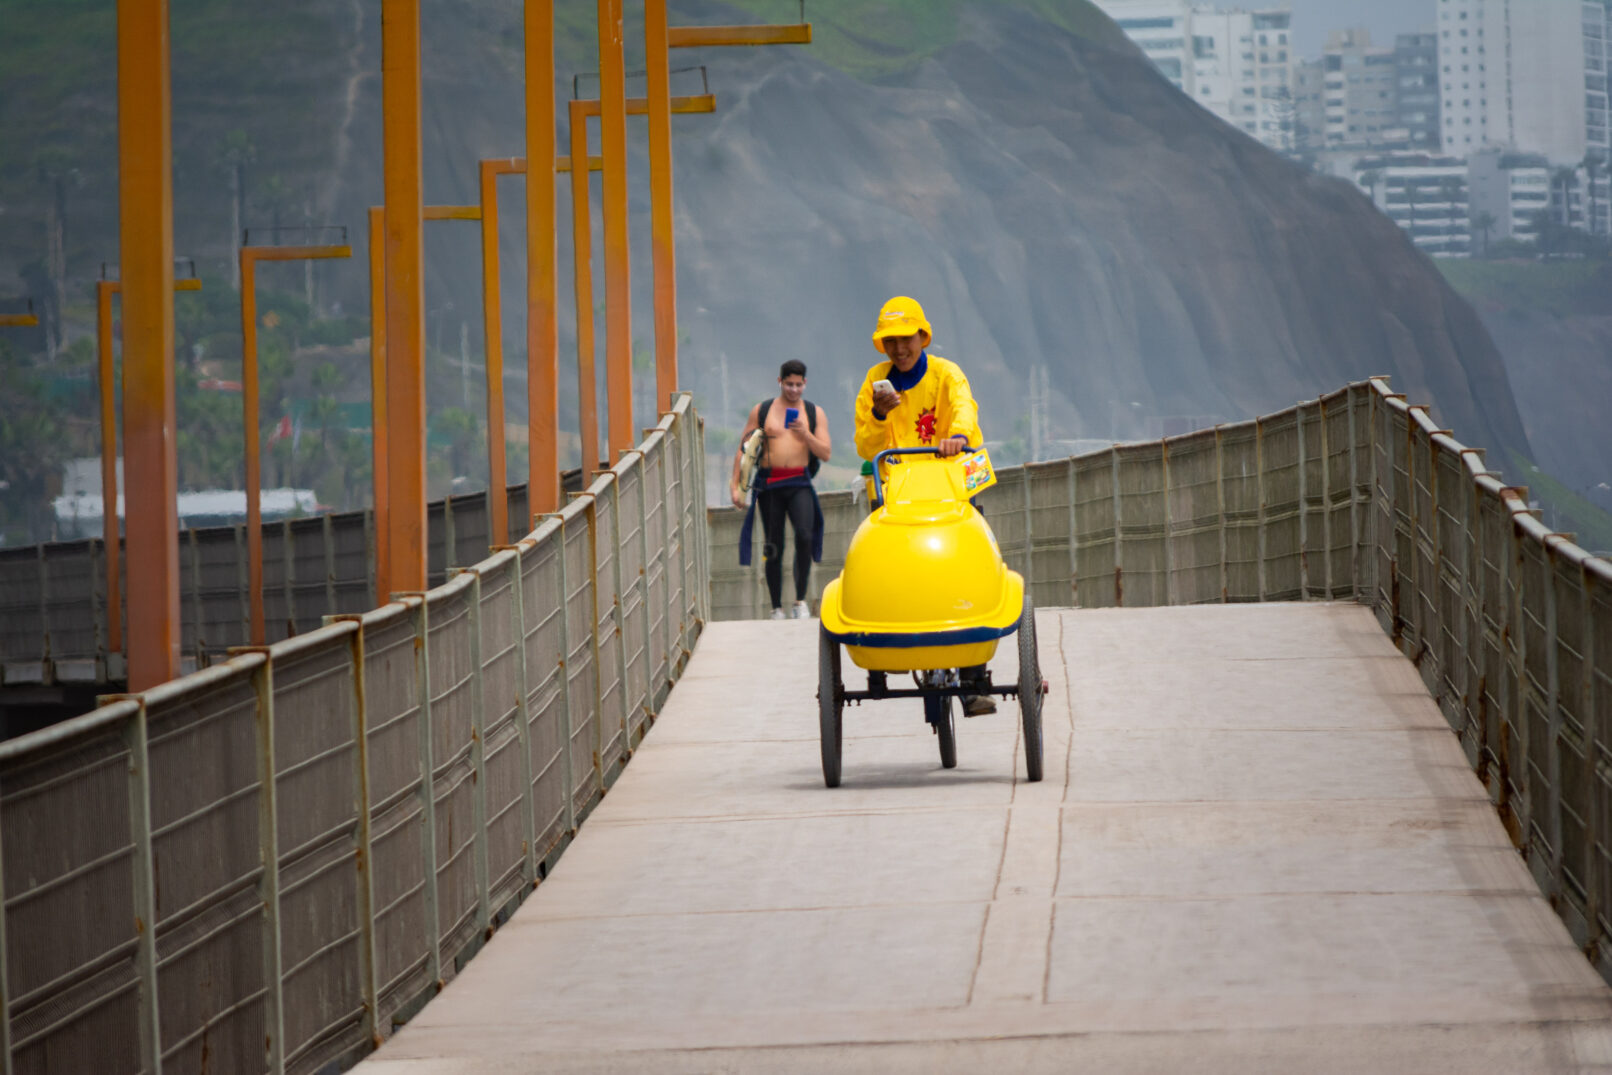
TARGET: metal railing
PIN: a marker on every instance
(1355, 496)
(265, 864)
(54, 607)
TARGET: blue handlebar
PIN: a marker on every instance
(878, 460)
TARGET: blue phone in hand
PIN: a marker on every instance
(790, 414)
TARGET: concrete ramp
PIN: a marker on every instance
(1258, 848)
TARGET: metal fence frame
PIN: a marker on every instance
(267, 864)
(1354, 496)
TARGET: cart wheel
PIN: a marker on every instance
(938, 712)
(830, 704)
(1030, 690)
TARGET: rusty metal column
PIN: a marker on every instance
(145, 231)
(492, 325)
(582, 284)
(377, 395)
(405, 295)
(618, 272)
(662, 233)
(109, 462)
(256, 633)
(542, 276)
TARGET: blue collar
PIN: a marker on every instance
(905, 382)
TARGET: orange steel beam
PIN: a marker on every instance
(377, 397)
(691, 105)
(451, 212)
(107, 379)
(250, 256)
(542, 272)
(663, 244)
(694, 37)
(582, 285)
(617, 254)
(492, 328)
(405, 294)
(145, 233)
(19, 320)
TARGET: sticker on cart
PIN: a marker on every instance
(977, 472)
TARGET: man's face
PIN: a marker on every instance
(904, 351)
(793, 387)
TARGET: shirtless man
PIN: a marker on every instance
(783, 484)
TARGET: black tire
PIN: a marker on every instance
(1030, 691)
(830, 706)
(938, 711)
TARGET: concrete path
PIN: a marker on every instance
(1258, 848)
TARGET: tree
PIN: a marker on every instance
(1410, 200)
(56, 168)
(1483, 223)
(231, 156)
(1450, 192)
(1591, 165)
(1564, 180)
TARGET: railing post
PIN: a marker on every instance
(684, 479)
(1553, 718)
(1326, 501)
(1259, 490)
(1074, 535)
(696, 436)
(1354, 498)
(643, 586)
(1517, 700)
(1594, 875)
(269, 852)
(145, 900)
(1220, 509)
(427, 792)
(1471, 608)
(592, 514)
(523, 731)
(1119, 561)
(1304, 505)
(619, 616)
(564, 662)
(478, 757)
(364, 893)
(1170, 589)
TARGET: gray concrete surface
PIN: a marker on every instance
(1258, 848)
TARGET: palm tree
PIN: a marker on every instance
(1565, 179)
(1483, 223)
(1410, 201)
(1591, 165)
(1451, 191)
(1369, 180)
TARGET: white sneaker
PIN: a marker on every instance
(800, 611)
(778, 614)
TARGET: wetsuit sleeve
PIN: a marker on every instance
(872, 434)
(965, 412)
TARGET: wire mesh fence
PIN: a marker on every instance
(267, 864)
(1355, 496)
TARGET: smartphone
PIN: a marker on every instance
(883, 386)
(790, 414)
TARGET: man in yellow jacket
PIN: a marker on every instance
(917, 400)
(928, 402)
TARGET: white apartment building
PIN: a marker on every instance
(1508, 192)
(1515, 74)
(1240, 65)
(1425, 195)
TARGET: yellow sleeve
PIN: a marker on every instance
(872, 435)
(965, 412)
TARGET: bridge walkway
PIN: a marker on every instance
(1258, 847)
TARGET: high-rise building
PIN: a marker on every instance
(1238, 64)
(1416, 91)
(1597, 68)
(1513, 74)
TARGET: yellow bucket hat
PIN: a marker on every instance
(900, 316)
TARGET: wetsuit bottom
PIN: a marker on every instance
(792, 503)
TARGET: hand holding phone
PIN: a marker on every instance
(791, 416)
(883, 386)
(885, 398)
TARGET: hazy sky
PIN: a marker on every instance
(1385, 18)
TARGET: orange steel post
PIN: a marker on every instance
(107, 379)
(492, 320)
(405, 294)
(250, 256)
(663, 241)
(145, 232)
(542, 274)
(109, 464)
(582, 284)
(618, 270)
(692, 37)
(377, 397)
